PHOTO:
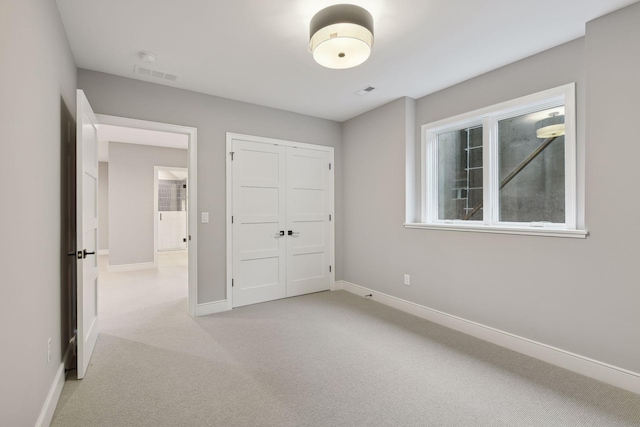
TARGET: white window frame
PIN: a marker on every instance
(489, 117)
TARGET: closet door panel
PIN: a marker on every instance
(259, 257)
(308, 208)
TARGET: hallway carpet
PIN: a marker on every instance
(326, 359)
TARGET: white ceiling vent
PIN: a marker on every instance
(365, 91)
(153, 73)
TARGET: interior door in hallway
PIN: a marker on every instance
(87, 232)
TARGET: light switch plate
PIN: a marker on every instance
(205, 217)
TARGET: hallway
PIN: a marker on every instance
(122, 294)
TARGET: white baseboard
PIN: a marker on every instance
(103, 251)
(131, 267)
(211, 307)
(50, 403)
(600, 371)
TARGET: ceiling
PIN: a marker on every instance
(109, 133)
(256, 50)
(173, 174)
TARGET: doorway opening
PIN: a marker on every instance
(142, 234)
(170, 205)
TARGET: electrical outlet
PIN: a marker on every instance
(407, 280)
(49, 350)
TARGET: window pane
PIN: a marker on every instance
(460, 174)
(537, 192)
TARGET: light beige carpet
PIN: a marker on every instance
(327, 359)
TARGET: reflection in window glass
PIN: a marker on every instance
(537, 193)
(460, 174)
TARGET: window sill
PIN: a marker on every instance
(529, 231)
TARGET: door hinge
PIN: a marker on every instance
(232, 153)
(232, 283)
(189, 237)
(231, 219)
(329, 269)
(329, 217)
(329, 166)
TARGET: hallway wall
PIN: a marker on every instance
(131, 210)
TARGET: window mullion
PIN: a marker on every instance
(489, 189)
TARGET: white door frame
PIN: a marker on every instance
(156, 169)
(230, 137)
(192, 208)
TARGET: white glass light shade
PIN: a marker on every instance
(341, 45)
(550, 127)
(341, 36)
(550, 131)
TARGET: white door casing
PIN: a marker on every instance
(87, 232)
(280, 233)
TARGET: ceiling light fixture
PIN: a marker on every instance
(341, 36)
(550, 127)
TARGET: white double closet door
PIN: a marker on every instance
(281, 207)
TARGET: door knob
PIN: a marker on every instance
(85, 253)
(281, 233)
(292, 233)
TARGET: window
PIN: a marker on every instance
(506, 168)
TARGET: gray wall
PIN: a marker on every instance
(103, 206)
(574, 294)
(610, 283)
(131, 210)
(374, 198)
(213, 117)
(37, 86)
